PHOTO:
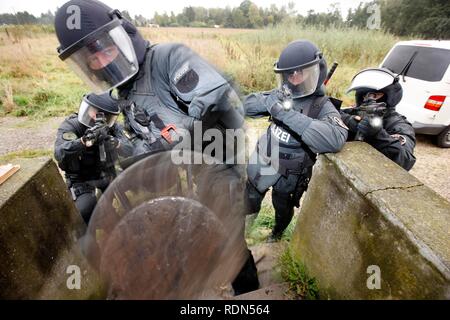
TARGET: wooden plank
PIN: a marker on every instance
(7, 171)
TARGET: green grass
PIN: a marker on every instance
(35, 83)
(251, 55)
(294, 272)
(29, 154)
(57, 93)
(33, 80)
(260, 227)
(17, 33)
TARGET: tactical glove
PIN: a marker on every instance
(93, 135)
(350, 121)
(367, 128)
(274, 103)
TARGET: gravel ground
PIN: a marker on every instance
(17, 134)
(433, 165)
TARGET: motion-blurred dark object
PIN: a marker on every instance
(166, 231)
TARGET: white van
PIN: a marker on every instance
(426, 85)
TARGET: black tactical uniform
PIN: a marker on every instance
(83, 169)
(176, 87)
(396, 137)
(311, 125)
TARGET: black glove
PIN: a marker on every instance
(274, 103)
(350, 121)
(366, 128)
(89, 138)
(94, 134)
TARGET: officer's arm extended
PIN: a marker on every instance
(197, 83)
(67, 145)
(326, 134)
(396, 142)
(254, 105)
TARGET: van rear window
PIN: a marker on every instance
(430, 64)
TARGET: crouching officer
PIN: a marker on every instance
(303, 123)
(374, 119)
(87, 145)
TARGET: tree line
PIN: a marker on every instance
(426, 18)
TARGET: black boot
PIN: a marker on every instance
(247, 279)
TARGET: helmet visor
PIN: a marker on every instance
(371, 79)
(103, 60)
(301, 82)
(88, 114)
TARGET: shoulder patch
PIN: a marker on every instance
(181, 72)
(69, 136)
(186, 79)
(339, 122)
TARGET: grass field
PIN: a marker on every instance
(34, 82)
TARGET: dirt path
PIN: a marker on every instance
(18, 134)
(432, 166)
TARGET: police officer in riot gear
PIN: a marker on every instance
(388, 131)
(169, 85)
(303, 123)
(165, 89)
(78, 154)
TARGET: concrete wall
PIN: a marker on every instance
(361, 209)
(39, 226)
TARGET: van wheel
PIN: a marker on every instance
(443, 139)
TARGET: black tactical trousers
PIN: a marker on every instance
(286, 195)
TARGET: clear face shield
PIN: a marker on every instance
(301, 82)
(89, 114)
(104, 59)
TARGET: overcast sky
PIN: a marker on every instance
(148, 7)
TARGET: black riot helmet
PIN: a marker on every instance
(93, 104)
(377, 80)
(104, 49)
(301, 68)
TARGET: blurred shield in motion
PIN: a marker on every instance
(166, 231)
(167, 248)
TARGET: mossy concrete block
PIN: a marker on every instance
(362, 210)
(39, 228)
